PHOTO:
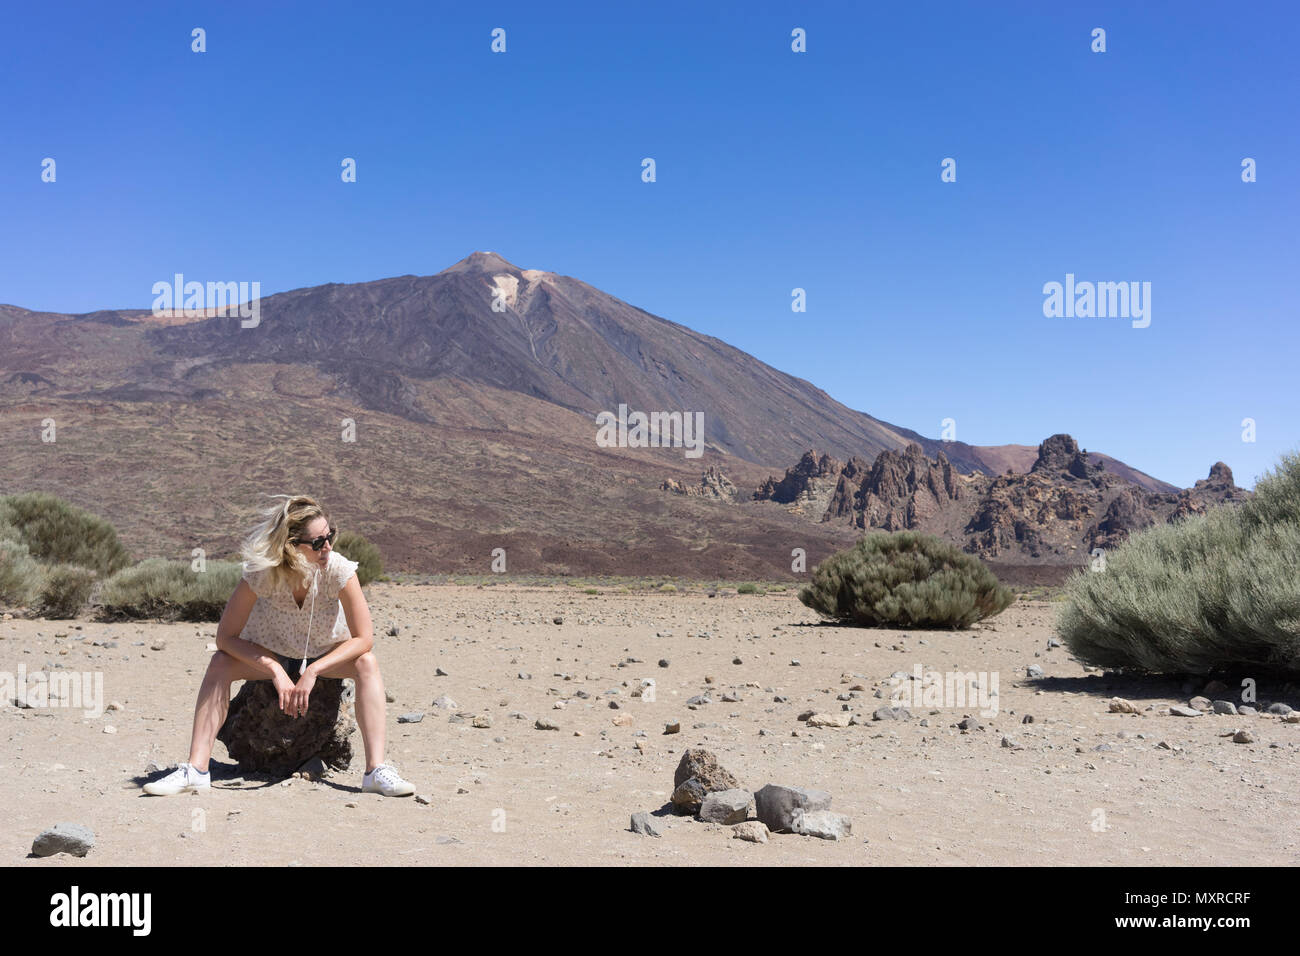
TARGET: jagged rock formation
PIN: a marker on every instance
(713, 484)
(1066, 505)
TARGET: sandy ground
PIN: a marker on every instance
(916, 795)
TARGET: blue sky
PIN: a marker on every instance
(775, 170)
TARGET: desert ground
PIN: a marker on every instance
(1079, 785)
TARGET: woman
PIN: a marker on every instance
(298, 599)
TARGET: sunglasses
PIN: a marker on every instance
(319, 543)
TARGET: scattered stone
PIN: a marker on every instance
(1291, 718)
(439, 672)
(393, 629)
(726, 806)
(775, 804)
(737, 660)
(524, 675)
(622, 720)
(829, 720)
(543, 724)
(672, 728)
(642, 824)
(1010, 743)
(1118, 705)
(703, 766)
(1247, 710)
(158, 645)
(482, 721)
(1243, 737)
(421, 798)
(891, 713)
(969, 723)
(821, 823)
(1027, 719)
(1224, 707)
(751, 830)
(1179, 711)
(1200, 703)
(70, 838)
(414, 717)
(688, 796)
(445, 703)
(663, 662)
(698, 700)
(110, 729)
(557, 619)
(1279, 708)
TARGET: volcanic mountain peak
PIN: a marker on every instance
(488, 262)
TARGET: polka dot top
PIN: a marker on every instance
(278, 624)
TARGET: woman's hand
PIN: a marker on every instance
(284, 687)
(302, 691)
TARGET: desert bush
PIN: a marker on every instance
(747, 588)
(1211, 592)
(20, 575)
(57, 532)
(64, 590)
(355, 547)
(171, 590)
(904, 579)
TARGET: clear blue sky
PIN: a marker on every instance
(776, 170)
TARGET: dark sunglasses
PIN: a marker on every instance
(319, 543)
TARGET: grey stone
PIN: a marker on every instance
(543, 724)
(1033, 670)
(1224, 707)
(750, 830)
(726, 806)
(1180, 711)
(703, 765)
(445, 703)
(1243, 737)
(414, 717)
(774, 805)
(1200, 703)
(821, 823)
(1279, 708)
(70, 838)
(969, 723)
(642, 824)
(891, 713)
(1247, 710)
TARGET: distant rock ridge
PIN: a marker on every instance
(1063, 508)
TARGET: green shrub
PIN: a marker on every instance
(591, 591)
(747, 589)
(20, 575)
(904, 579)
(64, 590)
(57, 532)
(1211, 592)
(170, 590)
(355, 547)
(667, 587)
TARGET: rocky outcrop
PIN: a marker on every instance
(713, 484)
(799, 480)
(1066, 505)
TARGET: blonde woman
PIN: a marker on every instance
(292, 579)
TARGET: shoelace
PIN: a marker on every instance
(386, 775)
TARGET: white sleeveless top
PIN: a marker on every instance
(278, 624)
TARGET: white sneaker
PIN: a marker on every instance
(181, 780)
(384, 779)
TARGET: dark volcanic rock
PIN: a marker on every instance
(264, 739)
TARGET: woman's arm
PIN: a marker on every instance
(362, 640)
(233, 619)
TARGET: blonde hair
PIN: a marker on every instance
(270, 543)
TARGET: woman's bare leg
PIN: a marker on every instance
(214, 702)
(370, 704)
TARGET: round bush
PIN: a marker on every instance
(355, 547)
(20, 575)
(905, 579)
(57, 532)
(64, 590)
(171, 590)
